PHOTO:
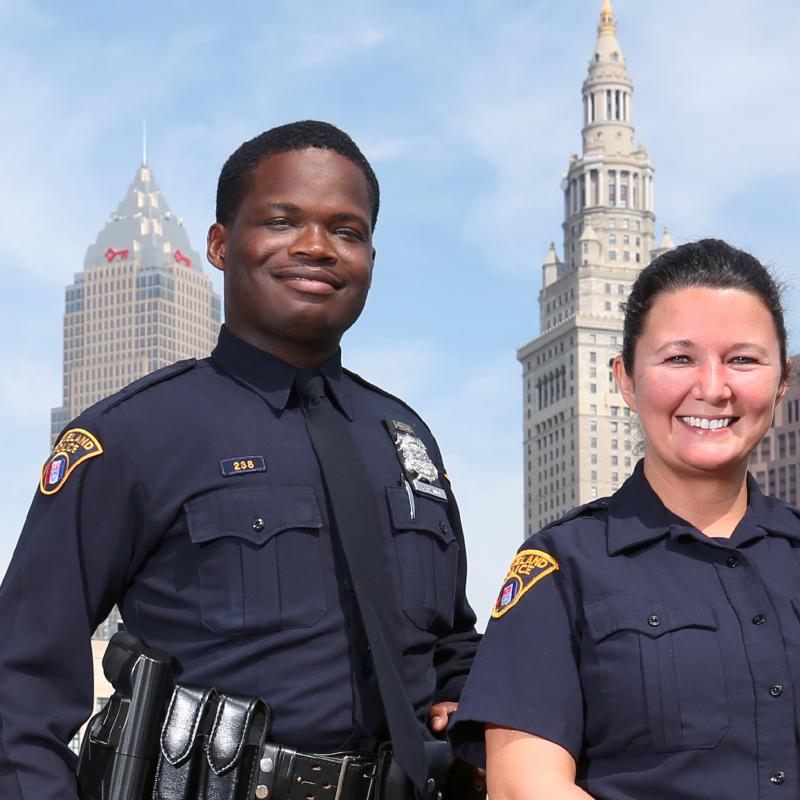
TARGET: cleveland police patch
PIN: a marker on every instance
(527, 569)
(74, 447)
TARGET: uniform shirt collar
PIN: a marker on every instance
(268, 375)
(637, 516)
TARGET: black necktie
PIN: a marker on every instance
(359, 529)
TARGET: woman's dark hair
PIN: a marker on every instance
(709, 263)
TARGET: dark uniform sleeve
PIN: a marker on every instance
(77, 551)
(456, 650)
(525, 676)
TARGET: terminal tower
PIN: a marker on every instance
(577, 428)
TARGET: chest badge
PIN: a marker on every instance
(417, 465)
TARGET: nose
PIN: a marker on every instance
(313, 243)
(712, 383)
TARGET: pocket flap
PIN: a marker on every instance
(254, 513)
(645, 615)
(428, 514)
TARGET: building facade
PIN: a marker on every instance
(141, 302)
(578, 436)
(775, 463)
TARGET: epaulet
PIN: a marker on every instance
(151, 379)
(367, 385)
(587, 509)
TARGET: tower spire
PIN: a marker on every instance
(607, 26)
(144, 142)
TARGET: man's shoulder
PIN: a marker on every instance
(392, 402)
(95, 414)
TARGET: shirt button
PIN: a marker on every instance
(759, 619)
(776, 690)
(732, 562)
(443, 526)
(777, 778)
(258, 524)
(654, 620)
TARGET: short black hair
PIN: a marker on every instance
(709, 263)
(236, 175)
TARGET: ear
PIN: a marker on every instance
(372, 266)
(784, 384)
(624, 382)
(215, 250)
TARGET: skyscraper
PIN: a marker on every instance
(141, 302)
(578, 442)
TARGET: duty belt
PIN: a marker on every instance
(285, 774)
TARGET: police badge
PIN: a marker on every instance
(414, 458)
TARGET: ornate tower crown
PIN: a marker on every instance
(607, 26)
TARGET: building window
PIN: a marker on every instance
(593, 441)
(593, 388)
(612, 238)
(608, 306)
(593, 425)
(613, 444)
(612, 255)
(594, 474)
(594, 458)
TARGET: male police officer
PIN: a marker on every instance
(193, 499)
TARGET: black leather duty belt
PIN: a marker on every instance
(285, 774)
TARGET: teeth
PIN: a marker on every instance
(705, 423)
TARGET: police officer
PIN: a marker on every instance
(647, 646)
(194, 501)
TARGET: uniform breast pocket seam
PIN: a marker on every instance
(427, 553)
(663, 635)
(239, 566)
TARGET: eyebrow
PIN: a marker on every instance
(688, 343)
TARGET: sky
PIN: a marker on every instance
(467, 110)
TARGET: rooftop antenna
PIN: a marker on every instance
(144, 143)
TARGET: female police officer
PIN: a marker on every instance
(648, 645)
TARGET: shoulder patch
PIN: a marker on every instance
(526, 570)
(74, 447)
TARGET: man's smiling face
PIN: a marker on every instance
(298, 255)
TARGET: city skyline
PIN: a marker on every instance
(469, 120)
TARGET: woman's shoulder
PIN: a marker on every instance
(581, 524)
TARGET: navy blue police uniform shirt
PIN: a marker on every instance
(193, 500)
(667, 663)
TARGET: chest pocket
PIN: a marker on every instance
(653, 677)
(258, 558)
(427, 554)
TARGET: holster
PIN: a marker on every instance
(210, 746)
(119, 749)
(448, 778)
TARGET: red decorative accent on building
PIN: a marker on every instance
(182, 259)
(111, 254)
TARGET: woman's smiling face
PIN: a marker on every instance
(706, 379)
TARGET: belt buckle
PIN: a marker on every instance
(342, 771)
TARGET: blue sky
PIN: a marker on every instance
(469, 112)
